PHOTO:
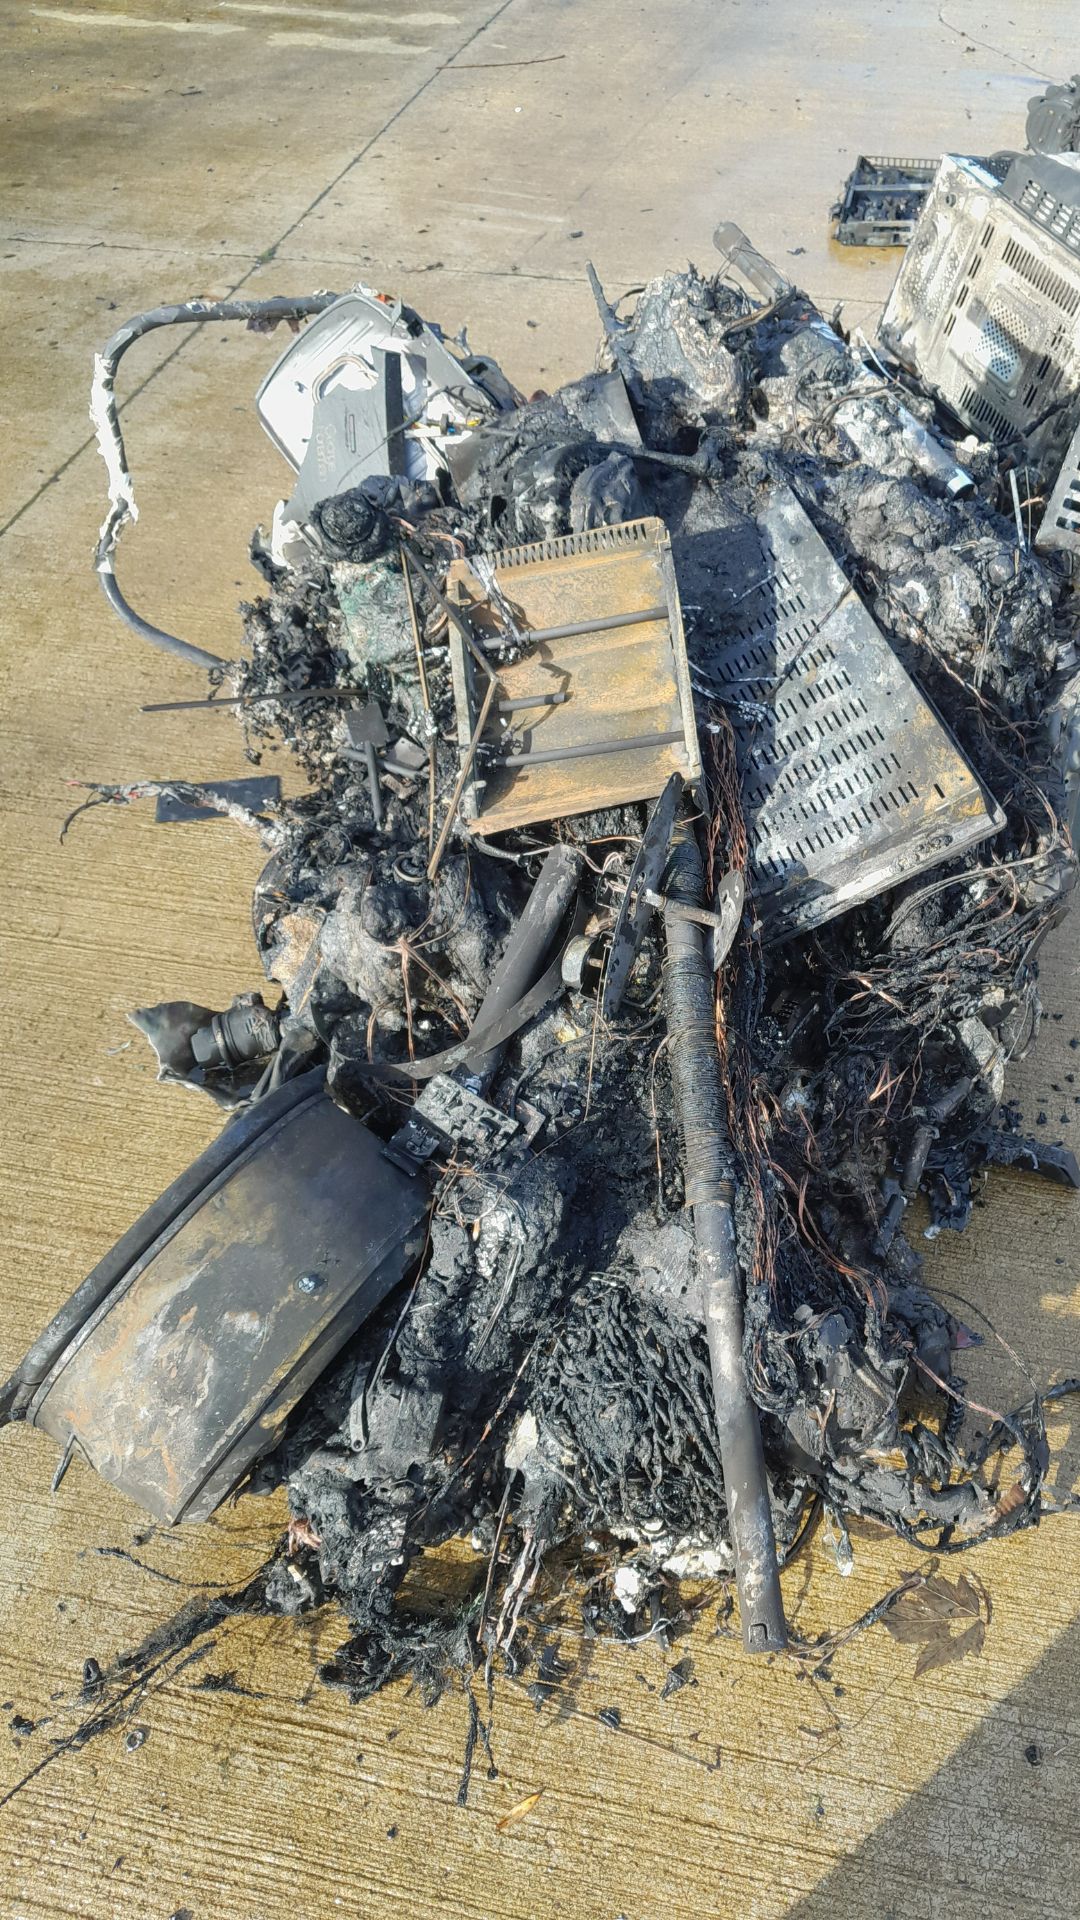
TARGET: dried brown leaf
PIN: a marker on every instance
(968, 1596)
(948, 1597)
(906, 1626)
(944, 1648)
(519, 1812)
(926, 1618)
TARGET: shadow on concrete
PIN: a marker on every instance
(992, 1834)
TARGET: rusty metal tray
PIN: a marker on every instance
(623, 720)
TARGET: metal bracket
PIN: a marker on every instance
(642, 898)
(635, 908)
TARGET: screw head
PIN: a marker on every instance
(309, 1283)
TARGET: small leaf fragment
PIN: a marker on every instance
(519, 1812)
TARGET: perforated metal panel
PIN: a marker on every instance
(1060, 526)
(850, 781)
(986, 305)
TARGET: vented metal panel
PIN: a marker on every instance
(986, 305)
(1060, 527)
(850, 782)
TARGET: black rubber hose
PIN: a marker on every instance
(106, 419)
(710, 1190)
(168, 642)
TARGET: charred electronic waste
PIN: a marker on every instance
(691, 753)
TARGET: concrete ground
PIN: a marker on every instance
(472, 157)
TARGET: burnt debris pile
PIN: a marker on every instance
(689, 770)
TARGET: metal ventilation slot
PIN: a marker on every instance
(1060, 528)
(1041, 277)
(976, 408)
(627, 535)
(850, 782)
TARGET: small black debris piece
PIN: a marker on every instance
(255, 794)
(1054, 1162)
(679, 1676)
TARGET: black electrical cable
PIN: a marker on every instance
(169, 642)
(104, 413)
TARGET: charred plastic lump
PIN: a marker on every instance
(174, 1366)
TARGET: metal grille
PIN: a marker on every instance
(603, 610)
(998, 350)
(621, 538)
(850, 781)
(1051, 212)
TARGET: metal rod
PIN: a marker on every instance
(679, 910)
(533, 700)
(459, 786)
(543, 755)
(418, 642)
(455, 614)
(535, 635)
(253, 699)
(372, 765)
(710, 1191)
(613, 329)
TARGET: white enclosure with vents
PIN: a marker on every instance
(986, 306)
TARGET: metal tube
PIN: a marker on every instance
(280, 696)
(110, 440)
(157, 636)
(459, 784)
(372, 767)
(429, 718)
(533, 700)
(710, 1191)
(522, 960)
(534, 635)
(541, 756)
(620, 351)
